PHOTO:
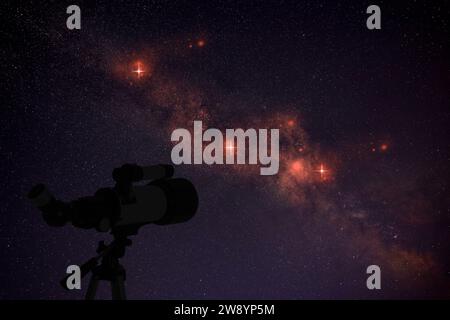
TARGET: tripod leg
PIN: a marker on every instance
(92, 288)
(118, 288)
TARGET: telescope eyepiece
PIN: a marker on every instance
(40, 195)
(54, 212)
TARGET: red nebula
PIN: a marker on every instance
(296, 167)
(201, 43)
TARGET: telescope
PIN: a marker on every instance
(126, 207)
(120, 210)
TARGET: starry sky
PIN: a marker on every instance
(364, 157)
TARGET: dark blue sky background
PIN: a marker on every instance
(72, 111)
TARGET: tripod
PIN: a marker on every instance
(108, 270)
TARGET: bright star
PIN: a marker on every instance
(139, 70)
(322, 171)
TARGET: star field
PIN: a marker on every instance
(364, 158)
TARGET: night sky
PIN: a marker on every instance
(369, 108)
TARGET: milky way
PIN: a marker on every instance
(363, 119)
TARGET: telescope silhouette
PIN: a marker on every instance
(120, 210)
